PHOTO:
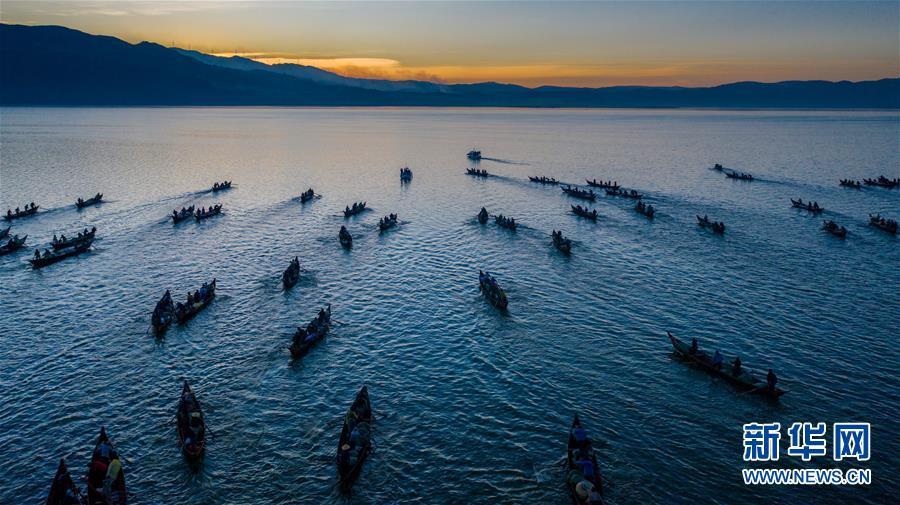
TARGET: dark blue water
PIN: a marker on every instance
(473, 405)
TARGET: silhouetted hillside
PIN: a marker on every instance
(52, 65)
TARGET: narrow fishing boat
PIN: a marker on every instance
(106, 477)
(482, 216)
(645, 209)
(63, 242)
(506, 222)
(5, 233)
(543, 180)
(584, 194)
(29, 210)
(833, 228)
(477, 173)
(583, 474)
(48, 258)
(850, 183)
(585, 212)
(94, 200)
(492, 290)
(715, 226)
(624, 193)
(562, 243)
(307, 195)
(14, 244)
(602, 184)
(345, 238)
(196, 301)
(221, 186)
(305, 338)
(355, 209)
(163, 314)
(355, 442)
(888, 225)
(474, 155)
(191, 425)
(740, 176)
(291, 274)
(180, 215)
(63, 490)
(808, 206)
(387, 222)
(405, 174)
(736, 375)
(883, 182)
(202, 213)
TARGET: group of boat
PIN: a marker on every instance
(291, 274)
(506, 222)
(735, 373)
(888, 225)
(833, 228)
(105, 479)
(213, 210)
(63, 248)
(560, 242)
(355, 209)
(585, 212)
(645, 209)
(492, 290)
(345, 238)
(405, 174)
(602, 184)
(181, 215)
(715, 226)
(543, 180)
(808, 206)
(883, 182)
(576, 192)
(94, 200)
(624, 193)
(191, 426)
(29, 210)
(13, 244)
(482, 216)
(166, 312)
(219, 186)
(387, 222)
(307, 195)
(477, 172)
(582, 471)
(314, 332)
(355, 442)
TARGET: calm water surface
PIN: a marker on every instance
(473, 405)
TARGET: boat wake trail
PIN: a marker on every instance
(508, 162)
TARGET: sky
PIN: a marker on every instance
(531, 43)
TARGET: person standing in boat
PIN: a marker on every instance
(771, 380)
(736, 367)
(694, 346)
(717, 360)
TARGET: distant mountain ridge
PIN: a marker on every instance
(53, 65)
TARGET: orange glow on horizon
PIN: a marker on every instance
(699, 72)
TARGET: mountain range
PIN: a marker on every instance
(58, 66)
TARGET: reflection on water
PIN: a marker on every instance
(472, 404)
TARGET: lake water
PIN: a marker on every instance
(473, 404)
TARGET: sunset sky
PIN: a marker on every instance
(529, 43)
